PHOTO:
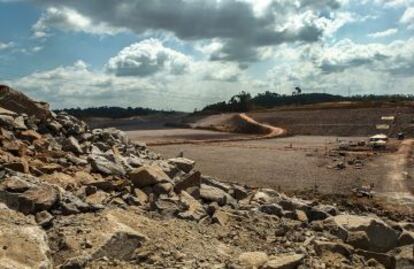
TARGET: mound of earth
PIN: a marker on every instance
(72, 197)
(237, 123)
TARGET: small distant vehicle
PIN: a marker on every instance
(378, 141)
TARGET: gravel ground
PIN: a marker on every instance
(291, 164)
(179, 135)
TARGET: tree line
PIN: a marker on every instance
(244, 101)
(241, 102)
(113, 112)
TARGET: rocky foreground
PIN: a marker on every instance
(71, 197)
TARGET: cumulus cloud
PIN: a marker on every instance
(7, 45)
(408, 18)
(363, 68)
(146, 73)
(243, 26)
(385, 33)
(146, 58)
(217, 71)
(69, 20)
(150, 57)
(396, 57)
(77, 85)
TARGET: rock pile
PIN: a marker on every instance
(72, 197)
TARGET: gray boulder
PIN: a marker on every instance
(148, 175)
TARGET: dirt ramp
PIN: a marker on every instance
(238, 123)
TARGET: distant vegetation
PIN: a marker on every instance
(112, 112)
(244, 102)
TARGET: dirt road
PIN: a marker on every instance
(397, 188)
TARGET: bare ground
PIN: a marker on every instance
(397, 188)
(179, 136)
(289, 164)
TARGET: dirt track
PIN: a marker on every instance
(216, 128)
(397, 188)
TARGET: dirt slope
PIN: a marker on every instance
(238, 123)
(339, 121)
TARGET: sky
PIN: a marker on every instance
(184, 54)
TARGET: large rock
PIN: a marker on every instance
(71, 144)
(213, 194)
(192, 209)
(23, 243)
(322, 247)
(183, 164)
(272, 209)
(113, 234)
(10, 122)
(20, 103)
(206, 180)
(380, 236)
(26, 197)
(104, 166)
(188, 181)
(147, 176)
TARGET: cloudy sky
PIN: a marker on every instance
(183, 54)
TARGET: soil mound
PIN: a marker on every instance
(237, 123)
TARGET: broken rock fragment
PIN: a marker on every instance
(24, 245)
(183, 164)
(148, 175)
(104, 166)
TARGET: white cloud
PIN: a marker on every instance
(37, 48)
(385, 33)
(396, 58)
(69, 20)
(372, 68)
(144, 74)
(408, 18)
(7, 45)
(244, 27)
(216, 71)
(147, 58)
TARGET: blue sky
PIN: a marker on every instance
(184, 54)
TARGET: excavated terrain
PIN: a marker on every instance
(72, 197)
(340, 121)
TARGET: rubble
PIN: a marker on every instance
(72, 197)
